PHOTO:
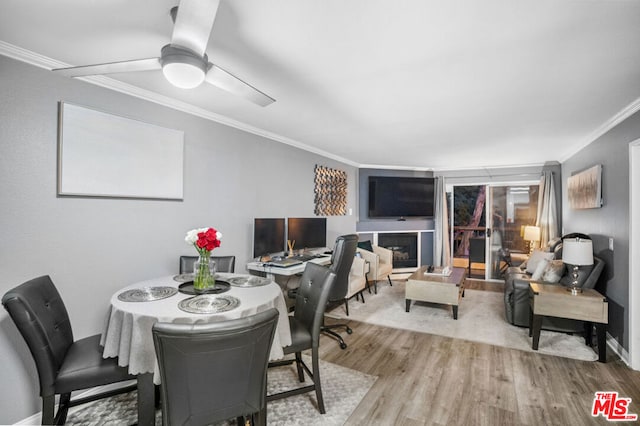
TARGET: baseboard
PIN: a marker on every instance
(36, 419)
(617, 348)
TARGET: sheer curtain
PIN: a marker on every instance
(547, 218)
(441, 249)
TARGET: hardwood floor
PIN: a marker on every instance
(425, 379)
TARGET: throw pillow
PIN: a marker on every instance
(535, 258)
(553, 272)
(365, 245)
(542, 266)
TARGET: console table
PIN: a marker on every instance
(436, 288)
(555, 301)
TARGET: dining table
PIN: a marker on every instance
(137, 307)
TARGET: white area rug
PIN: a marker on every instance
(342, 388)
(480, 319)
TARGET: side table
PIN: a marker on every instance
(556, 301)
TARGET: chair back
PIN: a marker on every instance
(312, 297)
(223, 263)
(341, 260)
(41, 317)
(214, 371)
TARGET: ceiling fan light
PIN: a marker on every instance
(184, 76)
(182, 67)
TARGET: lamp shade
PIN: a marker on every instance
(531, 233)
(576, 251)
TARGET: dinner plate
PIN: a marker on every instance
(250, 281)
(147, 294)
(183, 278)
(209, 304)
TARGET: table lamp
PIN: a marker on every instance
(531, 234)
(577, 252)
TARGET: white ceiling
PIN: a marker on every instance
(410, 84)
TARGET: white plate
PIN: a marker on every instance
(250, 281)
(208, 304)
(147, 294)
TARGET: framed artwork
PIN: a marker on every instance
(330, 191)
(105, 155)
(585, 188)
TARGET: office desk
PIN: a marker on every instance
(273, 271)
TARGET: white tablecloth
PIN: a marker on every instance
(128, 334)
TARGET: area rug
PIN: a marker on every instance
(342, 388)
(480, 319)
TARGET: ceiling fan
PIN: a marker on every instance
(184, 62)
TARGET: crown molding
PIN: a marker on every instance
(47, 63)
(618, 118)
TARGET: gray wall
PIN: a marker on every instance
(612, 220)
(93, 247)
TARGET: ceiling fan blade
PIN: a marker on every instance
(111, 67)
(193, 24)
(226, 81)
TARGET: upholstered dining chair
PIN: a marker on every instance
(215, 371)
(63, 365)
(305, 324)
(342, 258)
(223, 263)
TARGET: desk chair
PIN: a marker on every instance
(223, 263)
(63, 365)
(341, 260)
(215, 371)
(305, 325)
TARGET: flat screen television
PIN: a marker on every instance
(307, 232)
(268, 236)
(400, 197)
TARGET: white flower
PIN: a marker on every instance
(219, 235)
(192, 236)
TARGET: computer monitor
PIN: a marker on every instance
(307, 232)
(268, 236)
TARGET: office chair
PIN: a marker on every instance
(341, 261)
(63, 365)
(223, 263)
(215, 371)
(305, 325)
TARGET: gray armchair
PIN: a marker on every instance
(516, 297)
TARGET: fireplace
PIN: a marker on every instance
(404, 246)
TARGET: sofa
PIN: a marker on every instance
(552, 271)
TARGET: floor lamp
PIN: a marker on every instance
(576, 252)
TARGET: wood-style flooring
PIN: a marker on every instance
(425, 379)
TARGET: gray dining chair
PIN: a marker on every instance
(215, 371)
(64, 365)
(223, 263)
(305, 325)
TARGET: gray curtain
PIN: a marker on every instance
(441, 249)
(547, 218)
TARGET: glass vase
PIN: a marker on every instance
(204, 274)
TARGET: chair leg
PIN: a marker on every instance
(299, 366)
(389, 278)
(63, 409)
(316, 379)
(328, 330)
(48, 403)
(346, 305)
